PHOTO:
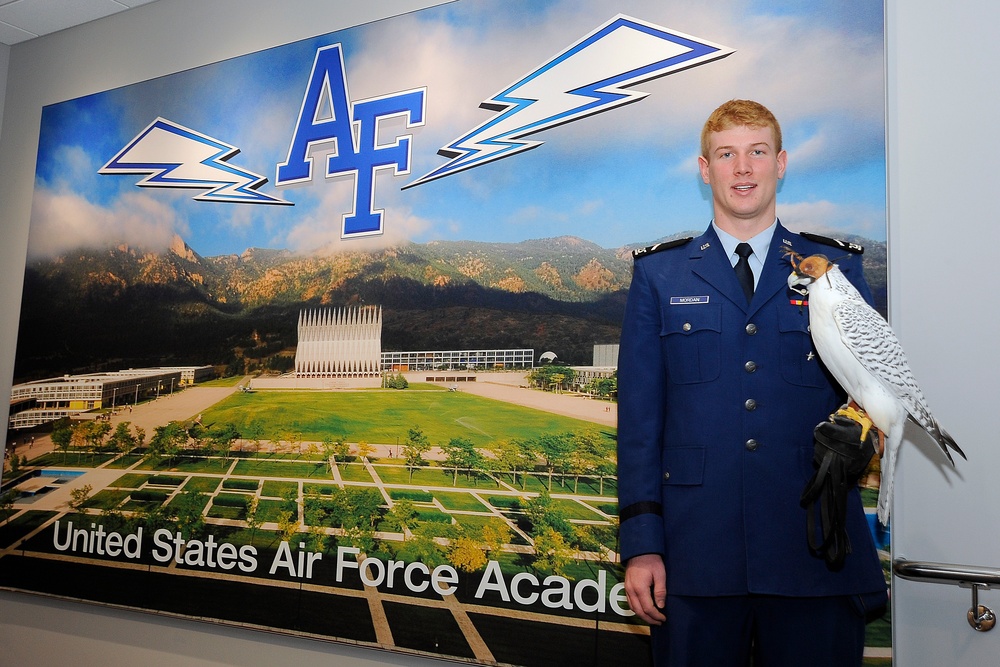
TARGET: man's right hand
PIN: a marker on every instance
(646, 587)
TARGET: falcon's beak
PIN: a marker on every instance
(799, 283)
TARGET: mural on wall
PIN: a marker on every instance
(322, 339)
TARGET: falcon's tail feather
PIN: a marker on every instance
(944, 440)
(892, 440)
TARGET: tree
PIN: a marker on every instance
(413, 451)
(140, 437)
(496, 533)
(555, 450)
(328, 450)
(359, 512)
(253, 432)
(7, 504)
(543, 514)
(595, 538)
(365, 450)
(314, 511)
(515, 455)
(221, 439)
(186, 509)
(552, 377)
(402, 515)
(318, 537)
(123, 439)
(461, 453)
(153, 516)
(167, 441)
(605, 387)
(294, 438)
(421, 548)
(552, 554)
(594, 455)
(89, 435)
(79, 496)
(589, 451)
(62, 435)
(397, 381)
(467, 554)
(343, 450)
(490, 466)
(252, 517)
(288, 525)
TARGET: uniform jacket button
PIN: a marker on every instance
(751, 445)
(750, 366)
(750, 404)
(666, 476)
(751, 329)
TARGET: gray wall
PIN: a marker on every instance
(4, 60)
(943, 237)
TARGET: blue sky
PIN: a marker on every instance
(625, 176)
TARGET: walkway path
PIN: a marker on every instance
(568, 405)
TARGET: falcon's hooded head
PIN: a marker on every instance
(806, 271)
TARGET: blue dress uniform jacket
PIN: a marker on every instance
(717, 404)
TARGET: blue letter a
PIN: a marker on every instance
(327, 82)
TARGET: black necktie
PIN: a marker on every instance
(743, 271)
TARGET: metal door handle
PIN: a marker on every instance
(980, 617)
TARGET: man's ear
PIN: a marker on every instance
(703, 168)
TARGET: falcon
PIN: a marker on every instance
(864, 355)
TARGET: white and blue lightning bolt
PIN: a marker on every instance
(587, 78)
(174, 156)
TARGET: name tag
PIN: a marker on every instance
(687, 300)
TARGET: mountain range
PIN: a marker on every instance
(123, 307)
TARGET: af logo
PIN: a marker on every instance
(594, 75)
(328, 118)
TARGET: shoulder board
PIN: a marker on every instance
(657, 247)
(836, 243)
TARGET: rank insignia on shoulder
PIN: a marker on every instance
(657, 247)
(836, 243)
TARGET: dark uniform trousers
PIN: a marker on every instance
(717, 403)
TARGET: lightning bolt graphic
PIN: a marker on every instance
(587, 78)
(174, 156)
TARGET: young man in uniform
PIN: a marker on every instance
(719, 392)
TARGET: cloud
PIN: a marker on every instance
(839, 143)
(825, 217)
(320, 230)
(535, 215)
(62, 221)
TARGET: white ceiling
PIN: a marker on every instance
(21, 20)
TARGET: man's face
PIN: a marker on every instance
(743, 171)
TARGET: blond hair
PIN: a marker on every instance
(739, 113)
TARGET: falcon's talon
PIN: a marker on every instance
(858, 415)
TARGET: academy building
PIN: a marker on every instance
(43, 401)
(339, 343)
(347, 343)
(457, 360)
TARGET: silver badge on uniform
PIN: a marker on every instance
(687, 300)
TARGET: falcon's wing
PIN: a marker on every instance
(874, 344)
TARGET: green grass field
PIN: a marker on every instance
(385, 417)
